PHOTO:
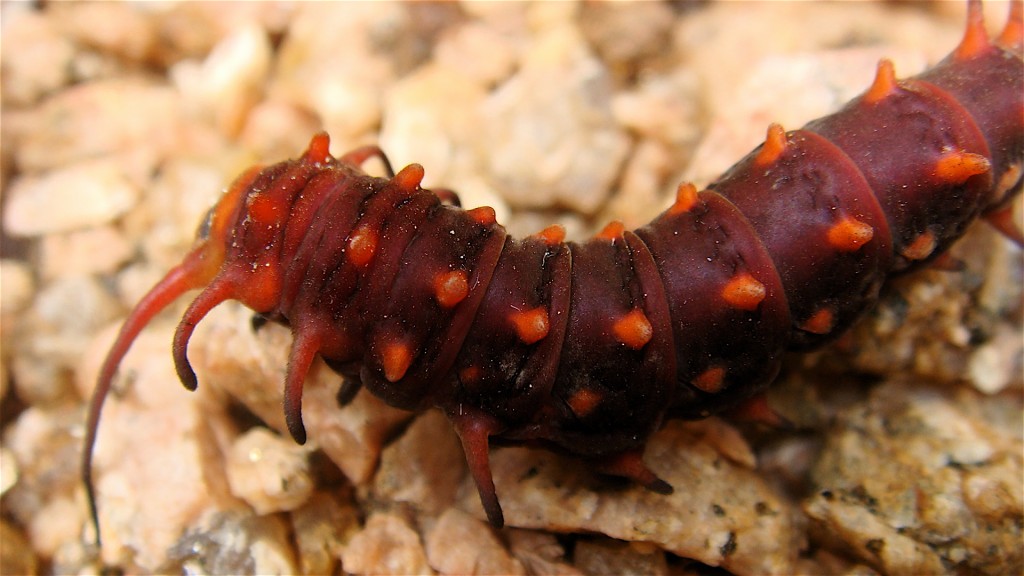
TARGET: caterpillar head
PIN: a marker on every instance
(229, 260)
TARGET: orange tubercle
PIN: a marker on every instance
(552, 235)
(957, 167)
(686, 199)
(1012, 36)
(613, 231)
(396, 357)
(584, 400)
(409, 178)
(774, 145)
(711, 380)
(821, 322)
(921, 248)
(483, 215)
(633, 329)
(451, 288)
(531, 325)
(319, 149)
(362, 246)
(470, 374)
(261, 290)
(975, 41)
(264, 208)
(743, 291)
(849, 234)
(885, 82)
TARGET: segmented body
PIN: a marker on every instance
(589, 346)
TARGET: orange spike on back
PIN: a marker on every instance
(265, 209)
(634, 329)
(483, 215)
(396, 357)
(957, 167)
(711, 380)
(362, 246)
(551, 235)
(1012, 36)
(613, 231)
(975, 41)
(686, 199)
(821, 322)
(849, 234)
(744, 292)
(451, 288)
(409, 178)
(884, 84)
(530, 325)
(319, 149)
(584, 400)
(470, 374)
(774, 145)
(921, 247)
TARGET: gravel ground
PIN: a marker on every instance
(122, 123)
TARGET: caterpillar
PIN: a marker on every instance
(588, 347)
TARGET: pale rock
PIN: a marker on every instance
(57, 329)
(8, 470)
(192, 29)
(16, 291)
(59, 520)
(158, 464)
(16, 555)
(269, 472)
(494, 53)
(996, 364)
(539, 552)
(423, 468)
(607, 557)
(548, 135)
(746, 527)
(36, 58)
(641, 194)
(229, 81)
(16, 286)
(86, 122)
(460, 544)
(909, 482)
(625, 33)
(322, 525)
(100, 249)
(428, 117)
(41, 449)
(111, 27)
(233, 543)
(328, 64)
(546, 15)
(387, 545)
(276, 129)
(89, 193)
(663, 108)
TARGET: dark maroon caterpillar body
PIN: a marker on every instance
(587, 347)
